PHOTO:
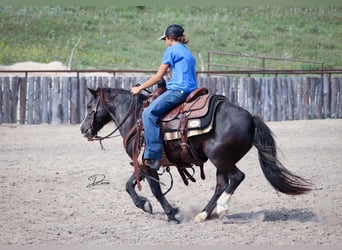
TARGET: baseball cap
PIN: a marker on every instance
(172, 30)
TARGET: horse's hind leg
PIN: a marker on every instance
(226, 184)
(139, 201)
(221, 183)
(235, 179)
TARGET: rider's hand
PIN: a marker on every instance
(135, 90)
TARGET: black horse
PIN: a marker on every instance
(234, 132)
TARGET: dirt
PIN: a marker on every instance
(48, 197)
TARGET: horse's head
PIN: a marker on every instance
(97, 114)
(108, 104)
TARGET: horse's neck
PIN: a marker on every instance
(127, 114)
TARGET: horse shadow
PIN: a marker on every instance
(299, 215)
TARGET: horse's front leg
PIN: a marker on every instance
(139, 201)
(157, 192)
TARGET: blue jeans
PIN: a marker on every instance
(151, 116)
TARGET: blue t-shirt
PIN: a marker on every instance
(183, 66)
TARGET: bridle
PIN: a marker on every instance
(101, 101)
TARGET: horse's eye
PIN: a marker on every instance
(88, 106)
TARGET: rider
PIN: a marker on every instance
(182, 64)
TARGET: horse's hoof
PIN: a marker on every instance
(173, 221)
(201, 217)
(222, 215)
(147, 207)
(172, 216)
(221, 211)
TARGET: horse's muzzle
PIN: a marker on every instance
(88, 133)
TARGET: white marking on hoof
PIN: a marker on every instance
(201, 217)
(222, 204)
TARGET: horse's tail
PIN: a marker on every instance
(279, 177)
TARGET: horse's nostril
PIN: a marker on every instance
(82, 130)
(85, 131)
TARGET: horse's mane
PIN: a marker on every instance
(140, 97)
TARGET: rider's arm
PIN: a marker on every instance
(152, 80)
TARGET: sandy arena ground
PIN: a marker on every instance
(46, 196)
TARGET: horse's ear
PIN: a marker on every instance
(92, 91)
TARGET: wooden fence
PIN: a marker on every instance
(62, 100)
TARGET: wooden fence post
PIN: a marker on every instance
(262, 99)
(127, 82)
(14, 95)
(213, 85)
(1, 103)
(37, 102)
(291, 98)
(7, 101)
(65, 99)
(99, 82)
(326, 96)
(306, 88)
(201, 80)
(273, 98)
(250, 94)
(22, 100)
(56, 110)
(235, 90)
(298, 94)
(118, 82)
(241, 95)
(221, 85)
(74, 101)
(318, 99)
(105, 82)
(257, 96)
(279, 99)
(335, 90)
(266, 104)
(83, 95)
(2, 100)
(45, 99)
(339, 99)
(285, 98)
(312, 97)
(226, 86)
(112, 82)
(30, 100)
